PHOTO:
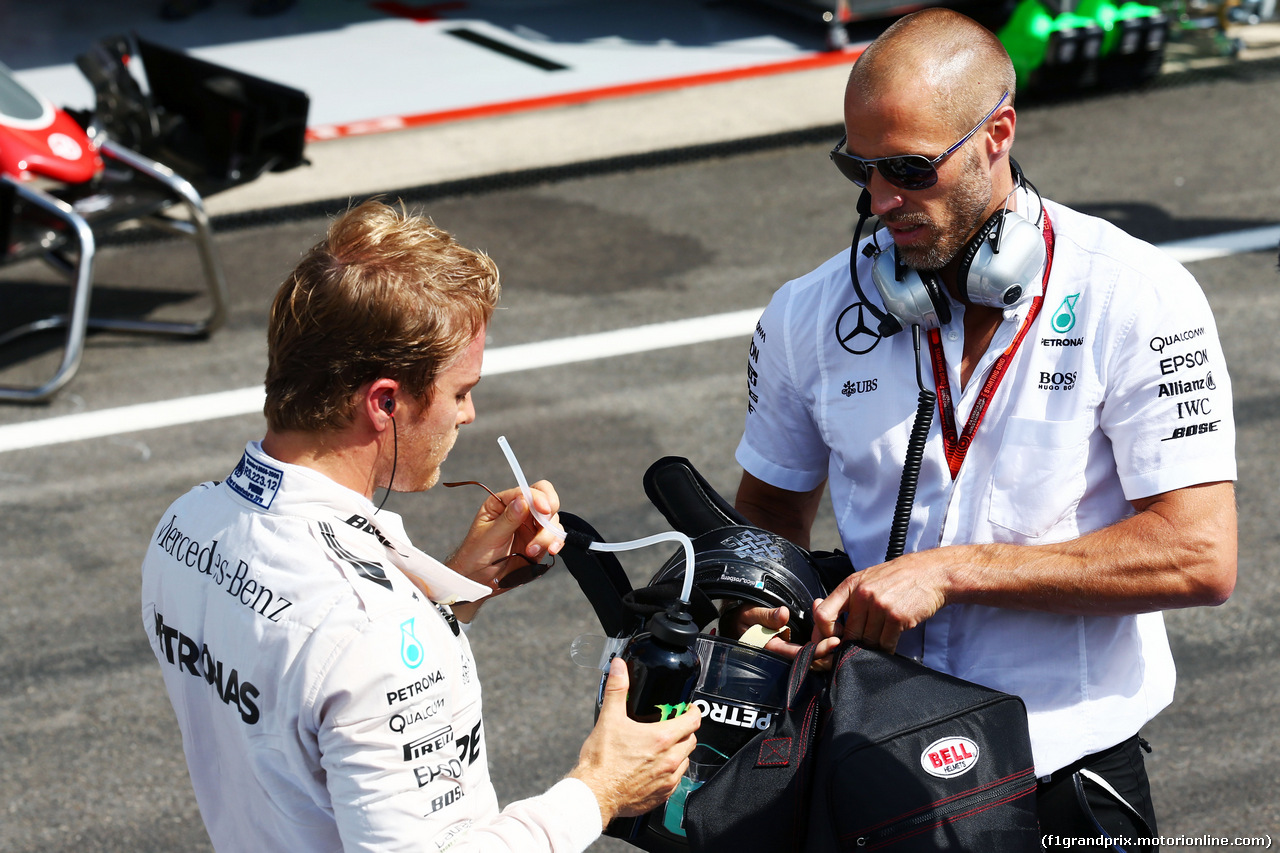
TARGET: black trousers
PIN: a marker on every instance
(1105, 793)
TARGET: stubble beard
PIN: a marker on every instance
(965, 212)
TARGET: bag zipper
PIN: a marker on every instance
(1009, 789)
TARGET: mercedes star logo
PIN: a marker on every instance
(853, 332)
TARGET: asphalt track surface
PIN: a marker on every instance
(90, 757)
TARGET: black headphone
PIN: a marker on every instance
(389, 405)
(997, 268)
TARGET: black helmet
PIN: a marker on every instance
(742, 562)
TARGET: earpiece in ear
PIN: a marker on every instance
(389, 405)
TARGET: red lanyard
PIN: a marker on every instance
(957, 446)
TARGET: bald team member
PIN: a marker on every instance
(1077, 478)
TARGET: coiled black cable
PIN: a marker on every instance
(915, 457)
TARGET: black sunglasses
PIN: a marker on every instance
(904, 171)
(532, 570)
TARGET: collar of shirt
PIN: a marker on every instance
(259, 478)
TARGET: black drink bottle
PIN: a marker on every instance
(662, 666)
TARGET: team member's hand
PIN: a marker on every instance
(633, 767)
(734, 623)
(881, 602)
(504, 526)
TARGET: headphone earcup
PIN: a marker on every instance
(969, 252)
(913, 298)
(937, 295)
(999, 265)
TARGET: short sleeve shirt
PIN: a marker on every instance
(1118, 391)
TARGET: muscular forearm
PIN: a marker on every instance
(1175, 552)
(1162, 557)
(788, 514)
(1178, 550)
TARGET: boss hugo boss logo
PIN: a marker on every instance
(949, 757)
(1057, 380)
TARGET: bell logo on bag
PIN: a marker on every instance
(948, 757)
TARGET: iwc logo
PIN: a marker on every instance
(854, 332)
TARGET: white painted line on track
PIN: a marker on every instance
(509, 359)
(1222, 245)
(245, 401)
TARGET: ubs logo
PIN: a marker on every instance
(853, 331)
(861, 386)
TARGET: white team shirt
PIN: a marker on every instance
(1119, 391)
(325, 702)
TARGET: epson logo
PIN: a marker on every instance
(1174, 363)
(734, 715)
(451, 769)
(437, 740)
(948, 757)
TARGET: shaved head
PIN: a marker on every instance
(943, 59)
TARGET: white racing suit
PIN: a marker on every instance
(325, 702)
